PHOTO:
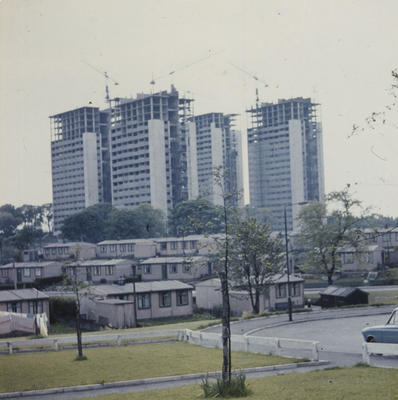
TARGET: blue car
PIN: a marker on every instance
(387, 333)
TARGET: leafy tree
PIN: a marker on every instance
(27, 237)
(10, 219)
(48, 216)
(88, 225)
(150, 222)
(196, 217)
(255, 257)
(323, 231)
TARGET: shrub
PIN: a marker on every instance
(237, 387)
(62, 308)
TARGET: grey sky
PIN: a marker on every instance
(339, 52)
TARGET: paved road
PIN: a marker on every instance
(249, 325)
(366, 288)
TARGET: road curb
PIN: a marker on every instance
(148, 381)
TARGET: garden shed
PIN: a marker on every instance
(334, 296)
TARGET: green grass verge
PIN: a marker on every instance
(355, 383)
(383, 297)
(20, 372)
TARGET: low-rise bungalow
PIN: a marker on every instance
(275, 296)
(101, 270)
(184, 269)
(71, 250)
(183, 246)
(137, 248)
(29, 272)
(25, 301)
(366, 258)
(114, 304)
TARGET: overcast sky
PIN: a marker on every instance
(338, 52)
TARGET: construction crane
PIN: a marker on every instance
(255, 77)
(107, 79)
(153, 81)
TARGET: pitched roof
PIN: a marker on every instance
(31, 264)
(69, 244)
(21, 294)
(172, 260)
(96, 262)
(140, 287)
(340, 291)
(127, 241)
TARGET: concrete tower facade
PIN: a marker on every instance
(217, 144)
(285, 155)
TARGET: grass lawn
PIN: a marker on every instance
(358, 383)
(383, 297)
(19, 372)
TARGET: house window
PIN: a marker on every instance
(147, 269)
(47, 252)
(54, 251)
(144, 301)
(123, 248)
(296, 289)
(40, 307)
(187, 267)
(109, 270)
(163, 246)
(66, 250)
(348, 258)
(193, 244)
(97, 270)
(37, 271)
(14, 307)
(59, 250)
(164, 299)
(173, 245)
(396, 236)
(103, 249)
(32, 308)
(173, 268)
(182, 297)
(112, 248)
(4, 273)
(370, 258)
(280, 290)
(130, 248)
(26, 272)
(184, 245)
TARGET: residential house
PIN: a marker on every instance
(275, 296)
(26, 301)
(184, 269)
(137, 248)
(187, 245)
(364, 258)
(114, 304)
(71, 250)
(101, 270)
(29, 272)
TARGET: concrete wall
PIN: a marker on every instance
(90, 165)
(116, 250)
(25, 307)
(197, 270)
(65, 251)
(162, 312)
(157, 165)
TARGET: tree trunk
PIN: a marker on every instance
(78, 328)
(226, 329)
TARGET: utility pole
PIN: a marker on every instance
(289, 299)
